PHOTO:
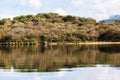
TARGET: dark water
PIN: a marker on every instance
(70, 62)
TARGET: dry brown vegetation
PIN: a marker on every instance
(29, 29)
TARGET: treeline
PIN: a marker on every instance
(51, 27)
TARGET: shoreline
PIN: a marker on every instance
(63, 43)
(82, 43)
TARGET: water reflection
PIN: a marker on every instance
(51, 58)
(87, 73)
(110, 48)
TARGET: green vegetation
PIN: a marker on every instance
(51, 27)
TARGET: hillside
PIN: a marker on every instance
(51, 27)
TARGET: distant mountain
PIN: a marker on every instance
(115, 17)
(112, 19)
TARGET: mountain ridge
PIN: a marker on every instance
(111, 19)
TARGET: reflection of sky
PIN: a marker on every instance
(84, 73)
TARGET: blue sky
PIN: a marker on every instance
(98, 9)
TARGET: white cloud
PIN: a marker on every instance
(99, 9)
(78, 2)
(3, 15)
(23, 2)
(60, 11)
(31, 3)
(35, 3)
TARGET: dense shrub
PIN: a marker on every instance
(110, 35)
(52, 27)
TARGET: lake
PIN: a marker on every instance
(68, 62)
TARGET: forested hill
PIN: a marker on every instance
(52, 27)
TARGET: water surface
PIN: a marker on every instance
(70, 62)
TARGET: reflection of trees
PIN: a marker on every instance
(5, 49)
(110, 48)
(53, 57)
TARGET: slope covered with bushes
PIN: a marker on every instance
(54, 28)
